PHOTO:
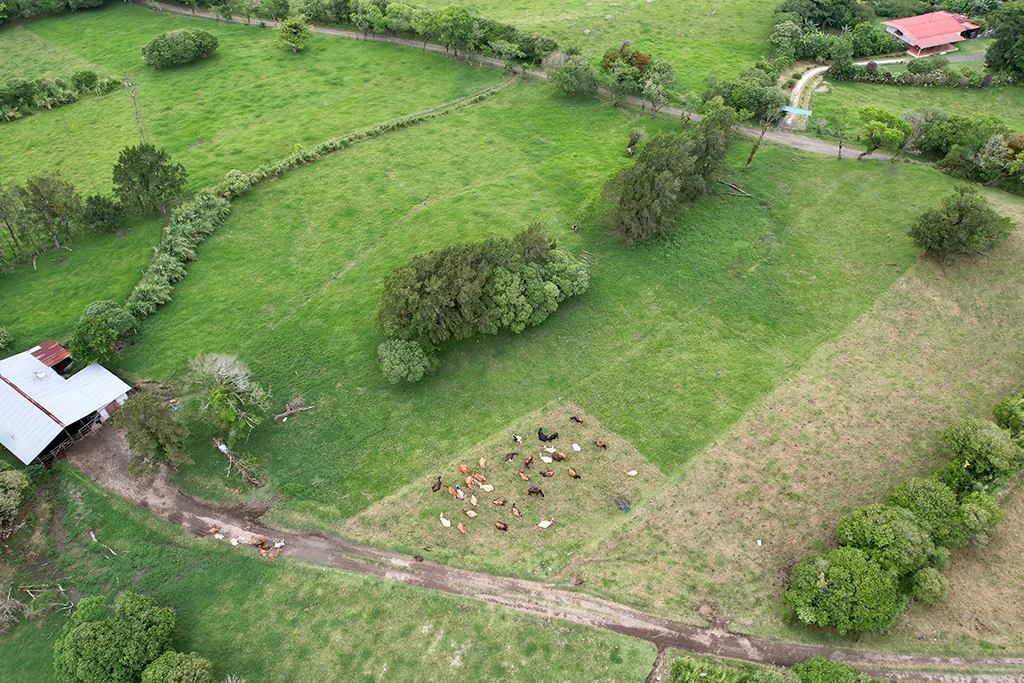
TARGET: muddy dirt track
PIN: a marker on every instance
(104, 458)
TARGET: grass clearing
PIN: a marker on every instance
(36, 305)
(672, 344)
(250, 103)
(863, 414)
(285, 621)
(585, 510)
(1006, 102)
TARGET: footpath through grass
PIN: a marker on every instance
(672, 344)
(279, 620)
(252, 102)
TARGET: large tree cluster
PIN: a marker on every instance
(181, 46)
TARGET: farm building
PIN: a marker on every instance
(41, 411)
(933, 33)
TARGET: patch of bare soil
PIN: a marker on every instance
(861, 416)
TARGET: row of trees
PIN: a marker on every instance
(894, 550)
(20, 97)
(472, 289)
(127, 642)
(48, 212)
(670, 171)
(14, 9)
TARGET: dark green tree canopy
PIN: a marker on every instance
(181, 46)
(177, 667)
(981, 455)
(1007, 53)
(102, 324)
(145, 179)
(935, 508)
(965, 224)
(153, 433)
(889, 535)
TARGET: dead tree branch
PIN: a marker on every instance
(237, 465)
(740, 192)
(295, 405)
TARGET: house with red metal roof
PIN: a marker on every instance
(933, 33)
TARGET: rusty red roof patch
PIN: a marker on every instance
(50, 353)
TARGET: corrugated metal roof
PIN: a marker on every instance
(50, 353)
(36, 402)
(934, 28)
(24, 429)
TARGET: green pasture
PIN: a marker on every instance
(250, 103)
(280, 620)
(1006, 102)
(673, 342)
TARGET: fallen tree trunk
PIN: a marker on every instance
(235, 464)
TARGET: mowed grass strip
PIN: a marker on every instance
(585, 511)
(864, 414)
(250, 103)
(45, 302)
(280, 620)
(672, 344)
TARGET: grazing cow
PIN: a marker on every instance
(515, 511)
(509, 456)
(601, 444)
(524, 476)
(535, 491)
(574, 474)
(464, 469)
(547, 473)
(498, 501)
(517, 438)
(546, 437)
(437, 485)
(529, 460)
(577, 420)
(501, 526)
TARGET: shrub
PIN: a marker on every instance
(167, 267)
(5, 339)
(577, 77)
(889, 535)
(965, 224)
(935, 508)
(1009, 412)
(181, 46)
(101, 325)
(920, 66)
(102, 214)
(102, 646)
(981, 513)
(148, 295)
(821, 670)
(689, 670)
(154, 434)
(929, 585)
(980, 455)
(13, 485)
(145, 178)
(84, 81)
(176, 667)
(403, 360)
(844, 589)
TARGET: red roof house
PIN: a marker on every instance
(932, 33)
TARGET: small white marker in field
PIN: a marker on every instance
(576, 447)
(759, 543)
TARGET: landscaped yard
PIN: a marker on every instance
(250, 103)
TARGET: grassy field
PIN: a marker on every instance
(1006, 102)
(863, 414)
(697, 36)
(251, 102)
(284, 621)
(41, 304)
(585, 510)
(672, 344)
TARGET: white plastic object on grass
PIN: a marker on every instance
(631, 473)
(576, 447)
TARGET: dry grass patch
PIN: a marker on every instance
(585, 510)
(862, 415)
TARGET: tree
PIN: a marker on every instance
(226, 11)
(453, 26)
(182, 46)
(844, 589)
(367, 16)
(935, 508)
(507, 52)
(1007, 52)
(145, 179)
(1009, 414)
(636, 136)
(623, 79)
(883, 129)
(294, 33)
(711, 144)
(404, 360)
(177, 667)
(786, 38)
(965, 224)
(980, 455)
(101, 214)
(248, 9)
(276, 9)
(153, 433)
(14, 219)
(231, 397)
(13, 485)
(577, 77)
(102, 646)
(98, 329)
(929, 585)
(54, 203)
(981, 513)
(658, 84)
(889, 535)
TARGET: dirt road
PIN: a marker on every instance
(104, 458)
